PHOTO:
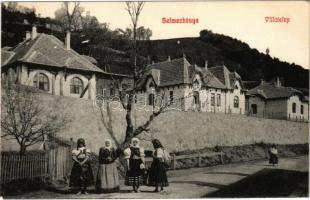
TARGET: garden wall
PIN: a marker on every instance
(177, 130)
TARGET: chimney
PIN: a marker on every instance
(206, 64)
(169, 59)
(67, 40)
(34, 32)
(28, 35)
(278, 82)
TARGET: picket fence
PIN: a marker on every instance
(29, 166)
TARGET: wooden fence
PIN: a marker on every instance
(59, 162)
(198, 156)
(29, 166)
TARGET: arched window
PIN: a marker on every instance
(294, 108)
(302, 109)
(41, 82)
(76, 86)
(151, 99)
(236, 102)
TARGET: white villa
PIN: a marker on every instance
(191, 87)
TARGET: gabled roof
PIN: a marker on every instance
(49, 50)
(226, 77)
(178, 71)
(172, 72)
(208, 79)
(6, 56)
(271, 91)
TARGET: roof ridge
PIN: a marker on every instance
(71, 51)
(30, 49)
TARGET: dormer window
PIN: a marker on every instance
(196, 84)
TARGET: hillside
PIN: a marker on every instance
(235, 54)
(177, 130)
(113, 51)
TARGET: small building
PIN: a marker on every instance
(190, 87)
(45, 62)
(272, 100)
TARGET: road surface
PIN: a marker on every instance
(251, 179)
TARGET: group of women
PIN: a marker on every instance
(107, 180)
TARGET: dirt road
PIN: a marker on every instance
(251, 179)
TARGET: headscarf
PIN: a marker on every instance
(107, 147)
(157, 144)
(80, 141)
(135, 139)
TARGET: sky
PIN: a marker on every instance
(244, 20)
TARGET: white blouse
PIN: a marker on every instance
(80, 152)
(158, 153)
(127, 153)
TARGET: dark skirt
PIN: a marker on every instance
(135, 174)
(107, 178)
(157, 174)
(81, 175)
(273, 159)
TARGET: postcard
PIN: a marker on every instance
(155, 99)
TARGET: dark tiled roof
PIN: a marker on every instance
(49, 50)
(178, 71)
(172, 72)
(271, 91)
(209, 80)
(6, 56)
(90, 59)
(226, 77)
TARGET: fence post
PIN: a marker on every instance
(174, 161)
(221, 158)
(199, 159)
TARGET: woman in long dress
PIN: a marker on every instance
(157, 175)
(81, 174)
(135, 163)
(273, 155)
(107, 177)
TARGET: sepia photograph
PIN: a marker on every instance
(154, 99)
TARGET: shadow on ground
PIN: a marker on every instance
(267, 183)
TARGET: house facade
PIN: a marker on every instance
(189, 87)
(45, 62)
(272, 100)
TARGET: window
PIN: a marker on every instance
(236, 102)
(76, 86)
(254, 108)
(112, 91)
(40, 81)
(196, 101)
(212, 99)
(302, 109)
(294, 107)
(171, 96)
(151, 99)
(218, 100)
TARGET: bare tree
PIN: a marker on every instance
(127, 98)
(70, 20)
(24, 119)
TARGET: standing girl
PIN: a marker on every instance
(157, 176)
(273, 155)
(135, 162)
(107, 177)
(81, 173)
